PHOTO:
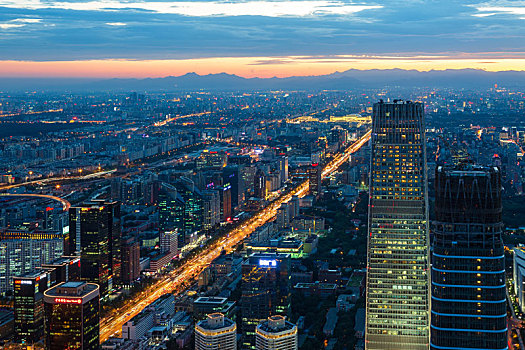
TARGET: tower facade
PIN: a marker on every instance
(265, 291)
(397, 300)
(276, 334)
(72, 316)
(468, 263)
(216, 333)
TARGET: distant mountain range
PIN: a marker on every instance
(350, 79)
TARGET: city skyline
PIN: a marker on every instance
(255, 38)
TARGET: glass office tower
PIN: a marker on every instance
(397, 300)
(469, 309)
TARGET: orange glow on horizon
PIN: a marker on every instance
(248, 67)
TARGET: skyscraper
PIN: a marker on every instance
(216, 333)
(23, 252)
(259, 184)
(72, 316)
(314, 177)
(95, 235)
(265, 291)
(468, 264)
(232, 175)
(28, 295)
(397, 300)
(130, 270)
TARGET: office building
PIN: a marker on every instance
(283, 168)
(216, 332)
(95, 235)
(469, 308)
(212, 210)
(23, 252)
(276, 334)
(193, 210)
(265, 291)
(225, 196)
(28, 293)
(259, 184)
(232, 175)
(66, 268)
(397, 299)
(203, 306)
(314, 178)
(130, 270)
(112, 211)
(519, 276)
(72, 316)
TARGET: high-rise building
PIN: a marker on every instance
(67, 268)
(283, 168)
(72, 316)
(89, 237)
(469, 308)
(225, 194)
(193, 209)
(28, 293)
(265, 291)
(259, 184)
(130, 269)
(314, 177)
(216, 333)
(112, 210)
(232, 175)
(22, 252)
(212, 209)
(397, 297)
(171, 210)
(519, 276)
(276, 334)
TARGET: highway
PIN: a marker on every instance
(65, 204)
(58, 178)
(179, 279)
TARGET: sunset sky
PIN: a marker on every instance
(134, 38)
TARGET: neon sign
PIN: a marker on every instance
(267, 263)
(68, 301)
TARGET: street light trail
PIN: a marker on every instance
(177, 280)
(58, 178)
(65, 203)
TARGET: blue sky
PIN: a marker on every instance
(44, 30)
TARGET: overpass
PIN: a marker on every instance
(65, 204)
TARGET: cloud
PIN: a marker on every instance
(19, 22)
(10, 25)
(510, 10)
(288, 8)
(333, 30)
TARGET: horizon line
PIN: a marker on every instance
(245, 67)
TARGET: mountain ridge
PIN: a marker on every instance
(349, 79)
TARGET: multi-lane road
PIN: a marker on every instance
(48, 180)
(65, 204)
(178, 280)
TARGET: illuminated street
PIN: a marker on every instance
(177, 280)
